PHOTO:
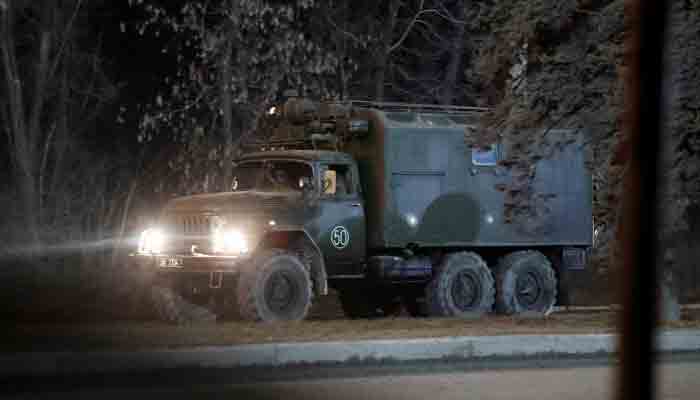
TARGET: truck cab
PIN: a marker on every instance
(323, 199)
(306, 202)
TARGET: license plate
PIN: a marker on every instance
(171, 262)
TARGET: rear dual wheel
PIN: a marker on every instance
(464, 286)
(526, 284)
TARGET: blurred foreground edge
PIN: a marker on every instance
(637, 239)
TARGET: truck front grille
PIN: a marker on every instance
(189, 230)
(271, 203)
(195, 224)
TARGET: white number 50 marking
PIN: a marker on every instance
(340, 237)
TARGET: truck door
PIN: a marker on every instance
(342, 219)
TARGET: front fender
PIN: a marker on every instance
(297, 239)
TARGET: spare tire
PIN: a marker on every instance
(274, 286)
(526, 284)
(463, 287)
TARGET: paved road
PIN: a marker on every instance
(679, 380)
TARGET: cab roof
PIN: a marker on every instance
(306, 155)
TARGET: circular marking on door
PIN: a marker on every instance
(340, 237)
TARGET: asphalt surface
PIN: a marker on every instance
(585, 379)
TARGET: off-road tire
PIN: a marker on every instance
(362, 304)
(463, 287)
(255, 292)
(530, 271)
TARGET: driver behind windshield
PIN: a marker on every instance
(276, 176)
(278, 179)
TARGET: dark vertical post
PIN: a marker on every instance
(637, 232)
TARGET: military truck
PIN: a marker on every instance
(386, 204)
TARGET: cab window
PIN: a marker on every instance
(284, 176)
(485, 156)
(276, 176)
(337, 180)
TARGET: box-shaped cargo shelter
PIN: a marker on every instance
(423, 185)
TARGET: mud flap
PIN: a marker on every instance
(569, 261)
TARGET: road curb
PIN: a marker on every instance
(369, 351)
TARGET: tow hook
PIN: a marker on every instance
(216, 278)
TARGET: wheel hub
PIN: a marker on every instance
(529, 289)
(281, 292)
(465, 291)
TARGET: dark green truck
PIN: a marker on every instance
(399, 212)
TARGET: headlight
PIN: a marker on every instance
(229, 241)
(152, 240)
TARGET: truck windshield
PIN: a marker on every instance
(270, 176)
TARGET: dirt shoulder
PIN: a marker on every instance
(140, 335)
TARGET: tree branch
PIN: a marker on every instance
(343, 31)
(14, 88)
(40, 80)
(408, 29)
(64, 40)
(42, 168)
(417, 19)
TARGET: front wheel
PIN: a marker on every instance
(274, 286)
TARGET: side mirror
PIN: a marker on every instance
(306, 184)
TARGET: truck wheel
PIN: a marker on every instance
(463, 287)
(274, 286)
(526, 284)
(358, 304)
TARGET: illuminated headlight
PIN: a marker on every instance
(229, 241)
(152, 240)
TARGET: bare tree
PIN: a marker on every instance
(52, 92)
(416, 33)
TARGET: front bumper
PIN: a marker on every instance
(189, 263)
